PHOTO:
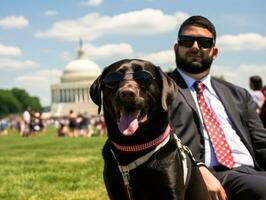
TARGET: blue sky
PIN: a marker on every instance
(38, 38)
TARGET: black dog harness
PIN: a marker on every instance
(125, 169)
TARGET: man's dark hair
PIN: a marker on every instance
(200, 22)
(256, 82)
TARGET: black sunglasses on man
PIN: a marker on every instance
(188, 41)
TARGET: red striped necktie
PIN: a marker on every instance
(221, 148)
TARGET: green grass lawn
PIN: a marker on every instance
(47, 167)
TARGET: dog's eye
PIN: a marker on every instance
(143, 78)
(112, 80)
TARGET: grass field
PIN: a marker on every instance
(46, 167)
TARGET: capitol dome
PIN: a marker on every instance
(80, 69)
(73, 92)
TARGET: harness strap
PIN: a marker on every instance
(134, 164)
(184, 158)
(124, 169)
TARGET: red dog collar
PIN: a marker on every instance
(141, 147)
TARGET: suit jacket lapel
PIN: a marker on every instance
(185, 91)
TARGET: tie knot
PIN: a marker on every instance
(199, 87)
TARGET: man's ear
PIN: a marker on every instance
(176, 47)
(215, 53)
(168, 90)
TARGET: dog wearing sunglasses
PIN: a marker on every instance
(143, 159)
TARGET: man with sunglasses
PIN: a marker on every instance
(220, 124)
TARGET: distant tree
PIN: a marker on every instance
(22, 96)
(3, 108)
(8, 103)
(16, 100)
(26, 100)
(34, 103)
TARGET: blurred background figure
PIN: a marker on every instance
(62, 128)
(79, 125)
(263, 109)
(3, 126)
(72, 124)
(255, 84)
(84, 125)
(25, 122)
(100, 126)
(36, 122)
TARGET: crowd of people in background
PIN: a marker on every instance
(31, 123)
(78, 125)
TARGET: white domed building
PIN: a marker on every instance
(73, 91)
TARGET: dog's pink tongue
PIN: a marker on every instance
(128, 123)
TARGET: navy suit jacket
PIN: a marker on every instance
(240, 108)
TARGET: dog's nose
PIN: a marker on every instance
(127, 94)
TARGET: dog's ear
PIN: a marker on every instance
(169, 89)
(96, 92)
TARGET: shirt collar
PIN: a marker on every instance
(190, 81)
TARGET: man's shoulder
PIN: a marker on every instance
(216, 82)
(226, 83)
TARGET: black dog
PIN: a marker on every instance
(143, 158)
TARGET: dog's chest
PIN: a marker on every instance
(159, 178)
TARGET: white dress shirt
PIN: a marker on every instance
(240, 153)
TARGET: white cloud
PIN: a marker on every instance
(9, 64)
(239, 75)
(181, 17)
(94, 25)
(40, 78)
(242, 42)
(14, 22)
(65, 56)
(108, 50)
(163, 58)
(92, 3)
(38, 83)
(9, 51)
(50, 12)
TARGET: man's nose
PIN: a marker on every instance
(195, 45)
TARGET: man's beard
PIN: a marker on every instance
(193, 67)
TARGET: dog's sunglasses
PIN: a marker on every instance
(188, 41)
(143, 78)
